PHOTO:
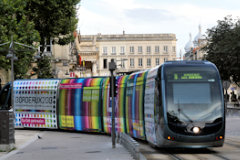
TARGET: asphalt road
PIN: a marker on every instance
(60, 145)
(233, 127)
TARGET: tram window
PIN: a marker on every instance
(191, 93)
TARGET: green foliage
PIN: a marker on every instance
(223, 48)
(32, 21)
(14, 22)
(53, 18)
(44, 64)
(56, 20)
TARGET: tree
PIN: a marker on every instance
(54, 20)
(223, 48)
(14, 22)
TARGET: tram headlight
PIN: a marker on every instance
(196, 130)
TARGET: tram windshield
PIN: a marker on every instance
(193, 94)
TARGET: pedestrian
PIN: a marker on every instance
(227, 99)
(233, 97)
(238, 100)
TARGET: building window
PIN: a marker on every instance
(149, 62)
(48, 47)
(157, 61)
(131, 49)
(156, 49)
(49, 43)
(104, 50)
(148, 49)
(113, 50)
(139, 49)
(122, 63)
(104, 63)
(174, 49)
(131, 62)
(122, 50)
(40, 48)
(140, 62)
(165, 49)
(165, 59)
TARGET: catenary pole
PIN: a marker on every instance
(112, 67)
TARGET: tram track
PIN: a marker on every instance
(151, 153)
(233, 145)
(222, 157)
(198, 156)
(233, 142)
(175, 157)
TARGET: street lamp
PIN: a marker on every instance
(13, 58)
(10, 125)
(112, 67)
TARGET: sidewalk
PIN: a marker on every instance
(22, 139)
(57, 145)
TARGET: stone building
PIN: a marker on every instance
(131, 52)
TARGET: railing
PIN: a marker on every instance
(131, 145)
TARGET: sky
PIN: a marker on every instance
(180, 17)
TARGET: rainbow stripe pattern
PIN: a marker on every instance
(79, 107)
(119, 105)
(135, 104)
(106, 106)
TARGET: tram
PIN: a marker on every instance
(188, 105)
(177, 104)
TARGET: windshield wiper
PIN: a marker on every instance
(186, 116)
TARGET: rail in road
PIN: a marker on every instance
(230, 151)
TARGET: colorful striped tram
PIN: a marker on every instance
(177, 104)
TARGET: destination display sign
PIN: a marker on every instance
(182, 74)
(187, 76)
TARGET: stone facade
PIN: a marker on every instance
(131, 52)
(63, 59)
